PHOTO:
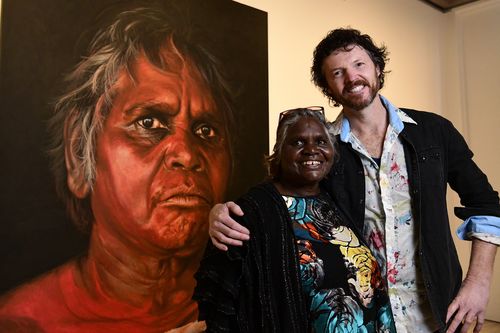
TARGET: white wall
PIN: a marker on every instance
(444, 63)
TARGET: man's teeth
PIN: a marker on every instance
(311, 163)
(356, 89)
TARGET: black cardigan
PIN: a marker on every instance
(257, 287)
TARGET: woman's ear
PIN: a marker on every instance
(77, 183)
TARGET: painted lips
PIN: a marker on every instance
(185, 201)
(183, 196)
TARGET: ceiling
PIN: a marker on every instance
(446, 5)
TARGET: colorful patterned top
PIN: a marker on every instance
(339, 274)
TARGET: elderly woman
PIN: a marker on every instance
(305, 268)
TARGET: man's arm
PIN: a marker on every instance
(224, 230)
(470, 303)
(477, 198)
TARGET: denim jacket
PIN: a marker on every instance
(436, 155)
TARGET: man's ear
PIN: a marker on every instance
(77, 183)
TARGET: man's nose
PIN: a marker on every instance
(351, 75)
(181, 153)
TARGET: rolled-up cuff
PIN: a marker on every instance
(485, 228)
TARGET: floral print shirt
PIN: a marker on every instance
(340, 276)
(389, 227)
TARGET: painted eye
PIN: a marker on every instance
(150, 123)
(206, 132)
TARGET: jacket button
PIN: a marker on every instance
(361, 201)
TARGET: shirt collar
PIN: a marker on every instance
(397, 118)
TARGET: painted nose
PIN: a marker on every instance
(181, 154)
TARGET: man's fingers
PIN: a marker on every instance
(221, 238)
(230, 228)
(223, 231)
(467, 322)
(217, 244)
(233, 229)
(217, 211)
(234, 208)
(479, 323)
(457, 320)
(451, 310)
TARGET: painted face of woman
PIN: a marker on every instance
(163, 158)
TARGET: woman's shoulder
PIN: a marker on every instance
(262, 204)
(260, 193)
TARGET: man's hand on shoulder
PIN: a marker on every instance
(224, 230)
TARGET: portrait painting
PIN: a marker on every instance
(124, 122)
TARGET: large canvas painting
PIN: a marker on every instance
(123, 123)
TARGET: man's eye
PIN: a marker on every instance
(298, 143)
(205, 132)
(359, 64)
(322, 142)
(337, 73)
(150, 123)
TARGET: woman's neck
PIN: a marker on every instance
(304, 191)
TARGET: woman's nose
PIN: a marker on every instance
(310, 149)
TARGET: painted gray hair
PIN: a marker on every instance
(83, 108)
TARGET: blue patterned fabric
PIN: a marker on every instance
(339, 274)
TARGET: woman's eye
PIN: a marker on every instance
(150, 123)
(205, 132)
(298, 143)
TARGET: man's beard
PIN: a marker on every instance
(357, 102)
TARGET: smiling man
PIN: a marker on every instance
(141, 152)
